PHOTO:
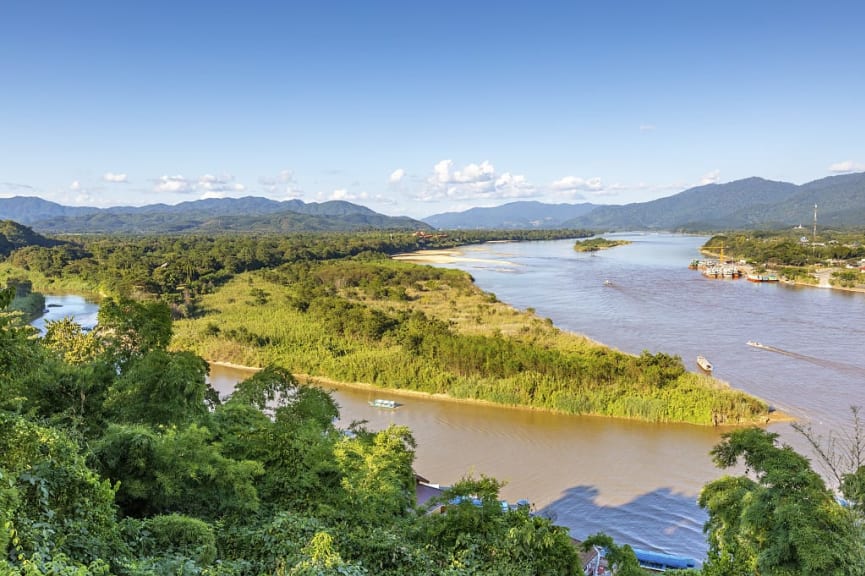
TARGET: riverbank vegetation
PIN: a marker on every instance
(399, 325)
(335, 306)
(799, 256)
(595, 244)
(29, 303)
(117, 458)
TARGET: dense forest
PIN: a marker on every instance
(336, 306)
(116, 457)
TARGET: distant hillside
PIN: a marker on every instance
(14, 235)
(211, 216)
(520, 215)
(742, 204)
(29, 209)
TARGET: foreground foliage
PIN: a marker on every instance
(116, 457)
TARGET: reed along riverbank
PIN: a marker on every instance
(396, 325)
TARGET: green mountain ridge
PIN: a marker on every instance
(248, 214)
(518, 215)
(14, 235)
(741, 204)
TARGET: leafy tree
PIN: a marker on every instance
(133, 328)
(475, 534)
(63, 507)
(785, 521)
(71, 341)
(377, 476)
(267, 388)
(621, 558)
(322, 559)
(162, 389)
(178, 471)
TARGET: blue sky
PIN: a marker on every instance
(417, 108)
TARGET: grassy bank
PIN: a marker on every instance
(402, 326)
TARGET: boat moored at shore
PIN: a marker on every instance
(762, 278)
(704, 364)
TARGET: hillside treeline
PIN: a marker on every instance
(179, 268)
(335, 306)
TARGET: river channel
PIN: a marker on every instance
(636, 481)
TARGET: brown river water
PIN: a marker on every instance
(636, 481)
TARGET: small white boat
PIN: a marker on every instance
(704, 364)
(756, 344)
(608, 282)
(381, 403)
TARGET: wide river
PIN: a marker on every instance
(638, 482)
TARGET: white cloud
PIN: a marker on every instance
(115, 178)
(647, 127)
(76, 185)
(283, 187)
(209, 186)
(574, 184)
(174, 185)
(712, 177)
(473, 182)
(396, 176)
(218, 184)
(846, 166)
(344, 194)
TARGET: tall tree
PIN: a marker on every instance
(782, 522)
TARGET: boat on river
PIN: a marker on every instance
(382, 403)
(658, 562)
(762, 278)
(756, 344)
(704, 364)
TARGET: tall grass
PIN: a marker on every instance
(403, 326)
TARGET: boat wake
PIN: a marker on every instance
(842, 366)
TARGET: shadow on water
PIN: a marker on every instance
(661, 520)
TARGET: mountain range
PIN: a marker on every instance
(249, 214)
(520, 215)
(742, 204)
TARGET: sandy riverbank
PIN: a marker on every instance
(445, 257)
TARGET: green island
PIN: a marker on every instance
(335, 306)
(595, 244)
(832, 259)
(117, 457)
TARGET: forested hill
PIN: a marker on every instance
(520, 215)
(207, 216)
(14, 236)
(744, 204)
